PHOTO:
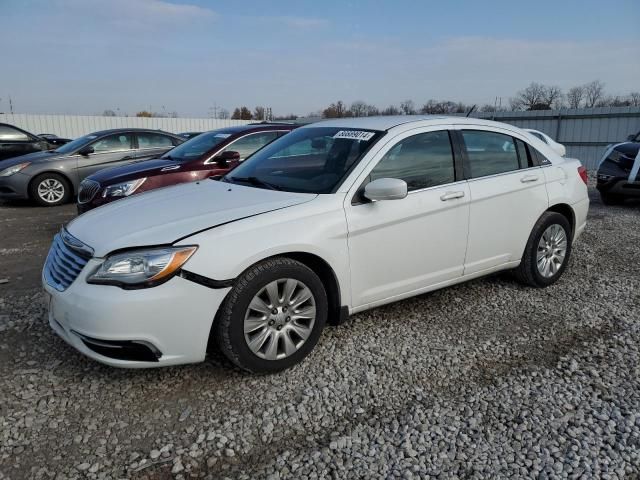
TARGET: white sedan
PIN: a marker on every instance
(557, 147)
(331, 219)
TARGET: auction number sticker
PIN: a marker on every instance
(354, 135)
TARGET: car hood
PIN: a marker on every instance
(162, 216)
(35, 157)
(144, 168)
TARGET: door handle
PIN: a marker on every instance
(451, 196)
(529, 178)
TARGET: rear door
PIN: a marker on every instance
(152, 145)
(14, 142)
(508, 195)
(110, 151)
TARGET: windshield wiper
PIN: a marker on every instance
(255, 181)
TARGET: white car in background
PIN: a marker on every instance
(331, 219)
(557, 147)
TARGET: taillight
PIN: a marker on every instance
(582, 171)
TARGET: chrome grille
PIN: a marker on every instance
(87, 190)
(64, 263)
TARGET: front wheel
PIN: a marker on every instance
(50, 189)
(547, 252)
(273, 316)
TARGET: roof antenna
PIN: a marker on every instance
(471, 110)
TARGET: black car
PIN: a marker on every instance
(15, 142)
(54, 139)
(617, 177)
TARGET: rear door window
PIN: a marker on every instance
(113, 143)
(154, 140)
(490, 153)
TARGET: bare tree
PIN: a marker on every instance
(391, 110)
(575, 96)
(407, 107)
(359, 109)
(531, 98)
(553, 96)
(108, 113)
(634, 98)
(336, 110)
(259, 113)
(487, 108)
(593, 93)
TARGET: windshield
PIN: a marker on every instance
(74, 145)
(196, 146)
(308, 160)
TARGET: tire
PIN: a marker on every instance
(250, 289)
(529, 271)
(50, 190)
(611, 198)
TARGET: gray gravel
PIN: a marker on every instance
(484, 380)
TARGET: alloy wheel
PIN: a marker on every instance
(51, 190)
(552, 250)
(279, 319)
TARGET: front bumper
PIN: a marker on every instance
(172, 320)
(15, 187)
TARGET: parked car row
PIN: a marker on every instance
(318, 223)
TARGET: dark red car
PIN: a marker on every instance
(206, 155)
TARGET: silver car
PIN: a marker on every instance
(52, 177)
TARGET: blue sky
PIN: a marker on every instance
(85, 56)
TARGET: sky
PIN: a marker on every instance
(86, 56)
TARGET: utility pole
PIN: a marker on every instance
(10, 106)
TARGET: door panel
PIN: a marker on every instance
(400, 246)
(506, 200)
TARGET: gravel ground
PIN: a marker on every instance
(483, 380)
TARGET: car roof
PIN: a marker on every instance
(255, 126)
(134, 130)
(384, 123)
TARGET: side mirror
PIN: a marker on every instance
(386, 189)
(84, 151)
(631, 138)
(225, 157)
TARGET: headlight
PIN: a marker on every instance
(141, 268)
(123, 189)
(7, 172)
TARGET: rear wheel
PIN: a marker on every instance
(611, 198)
(547, 252)
(50, 189)
(273, 316)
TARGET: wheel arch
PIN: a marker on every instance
(61, 174)
(565, 210)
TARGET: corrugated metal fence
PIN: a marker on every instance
(585, 132)
(73, 126)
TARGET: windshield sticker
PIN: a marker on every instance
(222, 135)
(354, 135)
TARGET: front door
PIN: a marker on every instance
(109, 151)
(398, 247)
